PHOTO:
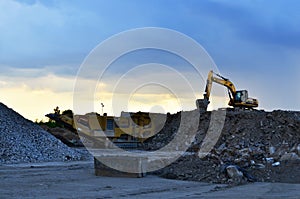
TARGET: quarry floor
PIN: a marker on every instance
(77, 180)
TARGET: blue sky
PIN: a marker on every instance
(255, 43)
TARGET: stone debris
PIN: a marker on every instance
(261, 143)
(275, 164)
(289, 157)
(22, 141)
(233, 172)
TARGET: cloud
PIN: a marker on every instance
(35, 92)
(140, 89)
(259, 35)
(256, 44)
(269, 23)
(45, 82)
(25, 25)
(276, 88)
(34, 97)
(35, 34)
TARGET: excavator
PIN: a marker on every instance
(238, 99)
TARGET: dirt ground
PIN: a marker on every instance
(77, 180)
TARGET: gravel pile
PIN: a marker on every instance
(23, 141)
(253, 146)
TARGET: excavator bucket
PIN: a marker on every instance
(202, 104)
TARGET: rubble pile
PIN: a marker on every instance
(23, 141)
(253, 146)
(166, 134)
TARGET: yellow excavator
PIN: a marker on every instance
(237, 98)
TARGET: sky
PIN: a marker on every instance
(43, 44)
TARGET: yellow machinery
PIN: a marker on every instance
(237, 98)
(128, 128)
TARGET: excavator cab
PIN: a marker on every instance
(241, 99)
(241, 96)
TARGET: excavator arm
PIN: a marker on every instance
(222, 81)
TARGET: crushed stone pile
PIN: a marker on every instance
(22, 141)
(253, 146)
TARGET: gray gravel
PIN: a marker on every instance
(22, 141)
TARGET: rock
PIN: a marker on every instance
(296, 149)
(289, 157)
(272, 150)
(282, 149)
(259, 166)
(233, 172)
(269, 160)
(222, 147)
(275, 164)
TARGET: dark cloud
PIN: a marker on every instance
(263, 22)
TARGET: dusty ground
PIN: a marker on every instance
(77, 180)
